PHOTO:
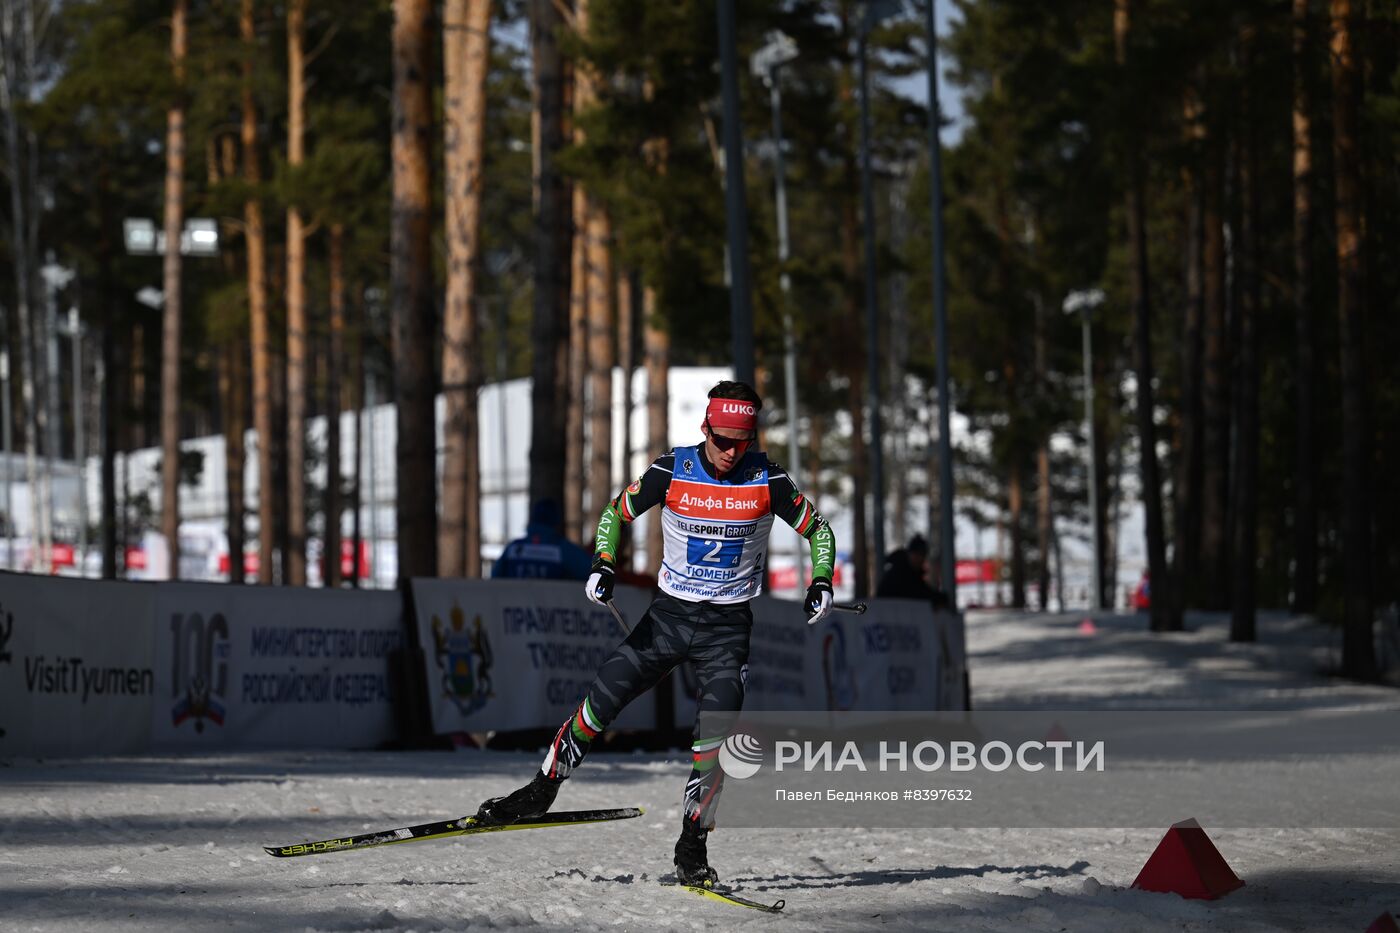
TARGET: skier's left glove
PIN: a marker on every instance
(817, 603)
(599, 587)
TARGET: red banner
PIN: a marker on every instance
(64, 555)
(250, 564)
(785, 578)
(979, 571)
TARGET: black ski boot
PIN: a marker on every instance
(533, 799)
(692, 864)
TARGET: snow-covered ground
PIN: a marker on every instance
(175, 842)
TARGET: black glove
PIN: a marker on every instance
(817, 602)
(599, 587)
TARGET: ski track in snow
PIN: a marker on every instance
(175, 841)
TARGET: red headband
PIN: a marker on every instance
(732, 414)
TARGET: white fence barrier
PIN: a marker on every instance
(98, 667)
(250, 666)
(898, 655)
(502, 654)
(519, 655)
(77, 666)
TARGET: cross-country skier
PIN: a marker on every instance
(717, 503)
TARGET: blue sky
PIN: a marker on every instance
(916, 86)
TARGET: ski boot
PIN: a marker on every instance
(692, 864)
(533, 799)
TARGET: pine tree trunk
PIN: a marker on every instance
(1305, 481)
(170, 337)
(11, 91)
(1244, 546)
(577, 519)
(1214, 404)
(863, 561)
(1043, 520)
(357, 482)
(657, 350)
(223, 163)
(296, 302)
(1044, 524)
(235, 454)
(627, 301)
(549, 342)
(1358, 647)
(602, 357)
(1185, 558)
(107, 478)
(411, 284)
(1015, 506)
(335, 362)
(233, 378)
(277, 369)
(1142, 314)
(255, 238)
(466, 53)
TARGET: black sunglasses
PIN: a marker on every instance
(727, 443)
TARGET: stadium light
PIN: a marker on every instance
(200, 237)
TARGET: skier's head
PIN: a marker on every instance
(917, 549)
(731, 423)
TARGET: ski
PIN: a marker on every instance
(464, 826)
(727, 897)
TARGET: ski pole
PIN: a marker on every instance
(618, 616)
(856, 608)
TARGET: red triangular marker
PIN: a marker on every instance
(1186, 862)
(1385, 923)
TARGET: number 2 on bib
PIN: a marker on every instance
(713, 552)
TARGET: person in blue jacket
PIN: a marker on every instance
(544, 553)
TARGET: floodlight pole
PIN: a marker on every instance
(1084, 302)
(947, 536)
(768, 63)
(872, 299)
(736, 207)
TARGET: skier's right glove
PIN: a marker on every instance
(817, 603)
(599, 587)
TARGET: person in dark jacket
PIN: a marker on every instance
(903, 575)
(544, 553)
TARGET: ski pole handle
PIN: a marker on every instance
(855, 608)
(618, 616)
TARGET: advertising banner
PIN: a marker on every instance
(898, 655)
(246, 666)
(77, 670)
(504, 654)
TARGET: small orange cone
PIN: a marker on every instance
(1385, 923)
(1186, 862)
(1087, 627)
